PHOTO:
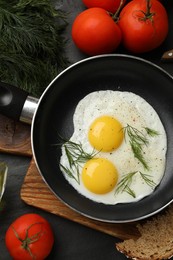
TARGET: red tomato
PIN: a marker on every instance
(109, 5)
(144, 27)
(95, 32)
(29, 237)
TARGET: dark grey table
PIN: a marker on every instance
(72, 241)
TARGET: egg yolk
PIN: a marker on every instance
(99, 175)
(105, 134)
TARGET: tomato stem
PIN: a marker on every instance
(115, 16)
(29, 240)
(148, 14)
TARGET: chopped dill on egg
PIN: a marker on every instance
(135, 135)
(137, 140)
(70, 173)
(124, 184)
(126, 181)
(146, 178)
(151, 132)
(75, 156)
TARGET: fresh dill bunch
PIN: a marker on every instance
(31, 43)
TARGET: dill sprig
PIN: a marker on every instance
(76, 156)
(31, 43)
(147, 179)
(137, 140)
(151, 132)
(137, 150)
(124, 184)
(126, 181)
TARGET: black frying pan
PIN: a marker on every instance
(54, 114)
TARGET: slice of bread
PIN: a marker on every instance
(156, 240)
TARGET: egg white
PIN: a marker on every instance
(131, 109)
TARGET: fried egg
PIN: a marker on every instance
(117, 153)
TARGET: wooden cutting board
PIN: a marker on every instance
(15, 139)
(36, 193)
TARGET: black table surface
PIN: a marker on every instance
(72, 241)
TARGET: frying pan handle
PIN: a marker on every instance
(16, 103)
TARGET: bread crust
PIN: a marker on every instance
(155, 241)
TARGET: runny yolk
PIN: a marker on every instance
(99, 175)
(105, 134)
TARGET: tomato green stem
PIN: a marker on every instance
(148, 7)
(29, 240)
(148, 14)
(115, 16)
